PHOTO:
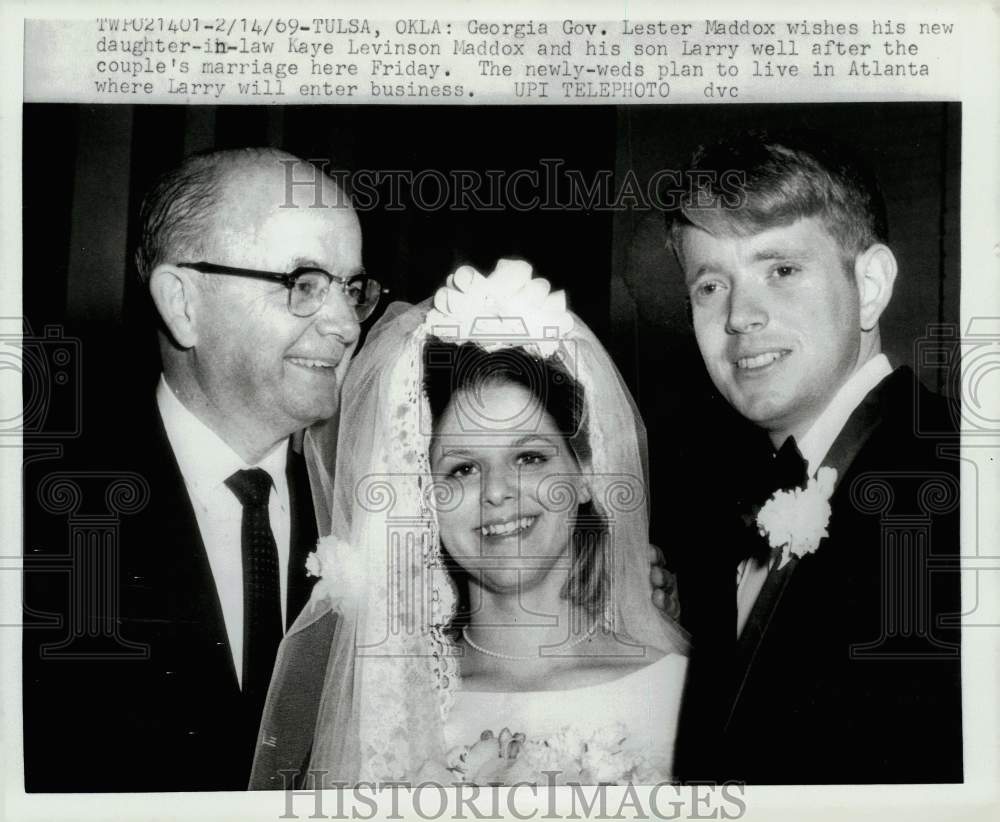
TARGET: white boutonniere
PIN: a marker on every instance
(795, 521)
(505, 309)
(341, 570)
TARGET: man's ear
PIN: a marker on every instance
(584, 494)
(175, 294)
(874, 274)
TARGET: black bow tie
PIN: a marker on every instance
(773, 471)
(788, 468)
(784, 470)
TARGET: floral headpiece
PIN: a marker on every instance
(505, 309)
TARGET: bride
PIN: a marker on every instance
(483, 611)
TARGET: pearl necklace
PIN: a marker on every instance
(519, 657)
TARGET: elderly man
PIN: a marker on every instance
(817, 659)
(260, 299)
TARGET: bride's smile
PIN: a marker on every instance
(505, 529)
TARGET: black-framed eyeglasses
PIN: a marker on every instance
(308, 287)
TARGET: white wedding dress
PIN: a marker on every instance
(645, 702)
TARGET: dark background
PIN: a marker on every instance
(86, 168)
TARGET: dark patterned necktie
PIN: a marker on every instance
(262, 630)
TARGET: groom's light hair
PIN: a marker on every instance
(755, 180)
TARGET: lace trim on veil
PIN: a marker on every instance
(415, 657)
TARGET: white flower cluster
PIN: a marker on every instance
(566, 757)
(341, 569)
(795, 521)
(505, 309)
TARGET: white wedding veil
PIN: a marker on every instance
(365, 678)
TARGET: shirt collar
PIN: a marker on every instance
(817, 440)
(204, 458)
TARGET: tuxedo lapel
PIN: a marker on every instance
(764, 609)
(848, 444)
(860, 425)
(843, 683)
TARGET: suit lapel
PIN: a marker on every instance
(168, 580)
(848, 444)
(187, 579)
(302, 535)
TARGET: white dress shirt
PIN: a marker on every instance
(205, 462)
(814, 445)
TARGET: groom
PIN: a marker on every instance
(837, 662)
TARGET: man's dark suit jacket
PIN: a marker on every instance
(856, 674)
(145, 697)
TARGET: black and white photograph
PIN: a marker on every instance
(563, 450)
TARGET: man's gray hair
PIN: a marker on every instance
(178, 213)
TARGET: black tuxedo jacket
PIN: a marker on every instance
(854, 673)
(129, 683)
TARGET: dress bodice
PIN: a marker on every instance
(645, 701)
